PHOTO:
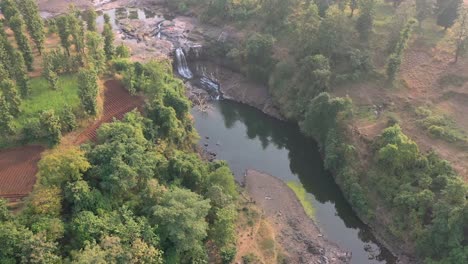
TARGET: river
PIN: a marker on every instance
(247, 138)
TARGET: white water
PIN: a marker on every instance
(211, 86)
(182, 66)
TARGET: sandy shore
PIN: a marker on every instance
(296, 232)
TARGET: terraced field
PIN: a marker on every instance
(117, 102)
(18, 166)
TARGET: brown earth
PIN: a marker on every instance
(117, 102)
(18, 167)
(299, 237)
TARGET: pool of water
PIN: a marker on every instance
(248, 139)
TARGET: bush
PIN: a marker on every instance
(67, 120)
(32, 130)
(228, 254)
(121, 65)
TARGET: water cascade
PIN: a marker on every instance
(182, 66)
(211, 86)
(159, 29)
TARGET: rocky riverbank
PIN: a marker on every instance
(298, 235)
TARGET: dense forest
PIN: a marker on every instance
(139, 193)
(333, 43)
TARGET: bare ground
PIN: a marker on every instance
(301, 239)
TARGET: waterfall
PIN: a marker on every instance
(182, 66)
(211, 86)
(159, 29)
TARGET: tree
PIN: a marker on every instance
(64, 32)
(37, 250)
(122, 51)
(21, 76)
(13, 236)
(67, 120)
(180, 217)
(323, 115)
(108, 34)
(305, 21)
(95, 51)
(61, 167)
(88, 90)
(90, 16)
(365, 21)
(424, 9)
(335, 33)
(9, 8)
(49, 72)
(394, 61)
(223, 231)
(17, 25)
(462, 34)
(34, 22)
(447, 12)
(11, 96)
(259, 56)
(6, 119)
(51, 125)
(353, 5)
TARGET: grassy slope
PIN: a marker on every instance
(44, 98)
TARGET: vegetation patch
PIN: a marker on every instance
(439, 126)
(452, 80)
(42, 97)
(303, 197)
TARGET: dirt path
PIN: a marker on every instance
(296, 232)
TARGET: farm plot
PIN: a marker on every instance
(18, 167)
(117, 102)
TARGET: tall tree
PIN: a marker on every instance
(6, 119)
(50, 123)
(88, 90)
(90, 16)
(64, 32)
(424, 9)
(462, 34)
(353, 5)
(12, 98)
(365, 21)
(335, 33)
(447, 12)
(95, 51)
(17, 25)
(108, 34)
(34, 22)
(20, 74)
(9, 8)
(394, 61)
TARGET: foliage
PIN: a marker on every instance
(259, 49)
(394, 61)
(88, 90)
(34, 22)
(365, 20)
(6, 118)
(10, 93)
(447, 12)
(50, 124)
(122, 51)
(95, 51)
(17, 25)
(90, 17)
(109, 48)
(180, 216)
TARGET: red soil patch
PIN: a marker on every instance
(117, 102)
(18, 167)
